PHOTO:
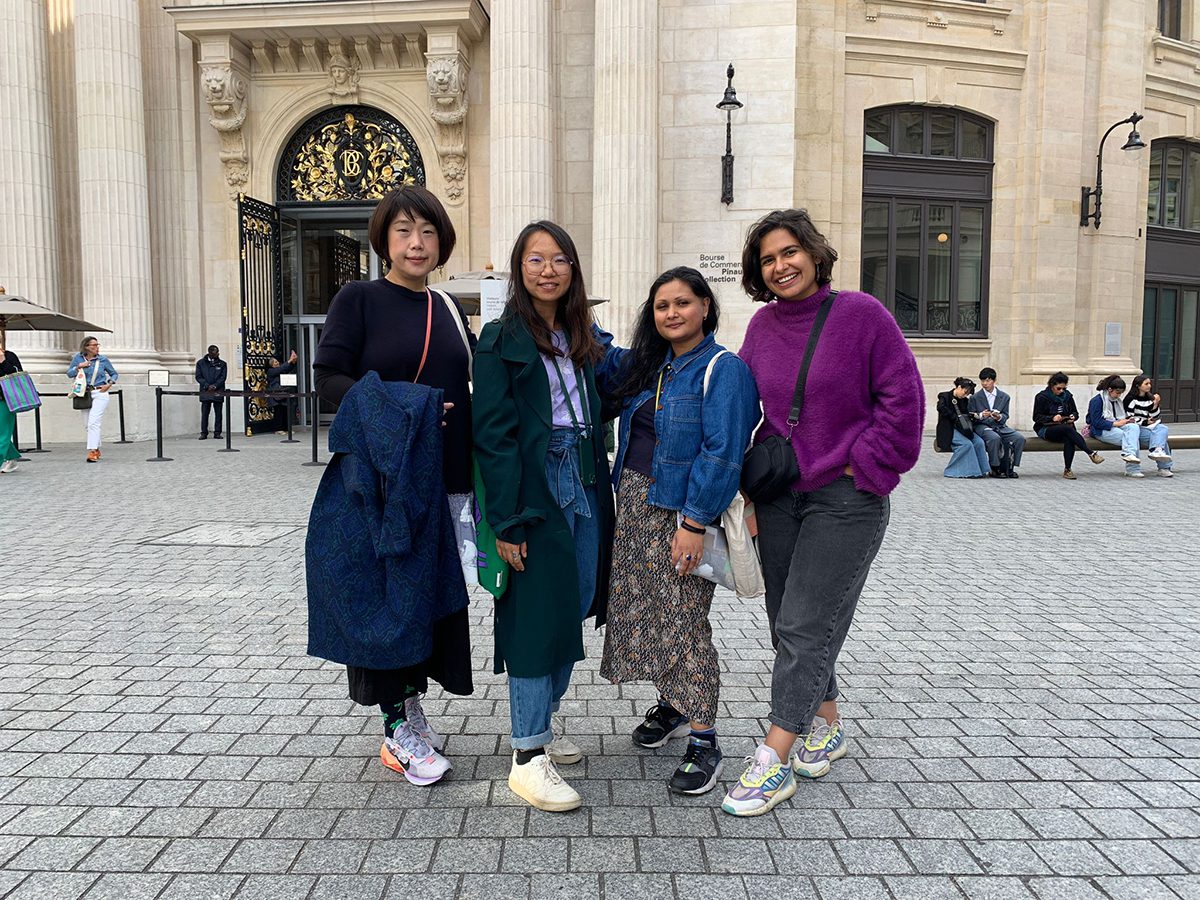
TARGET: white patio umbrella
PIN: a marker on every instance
(19, 314)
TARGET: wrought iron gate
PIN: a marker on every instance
(262, 304)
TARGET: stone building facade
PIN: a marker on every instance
(941, 144)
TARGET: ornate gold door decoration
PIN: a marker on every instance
(349, 153)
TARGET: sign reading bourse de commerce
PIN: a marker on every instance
(720, 268)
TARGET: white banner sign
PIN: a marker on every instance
(492, 293)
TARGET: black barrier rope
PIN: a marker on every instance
(37, 421)
(289, 396)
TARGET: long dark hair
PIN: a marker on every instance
(1135, 389)
(648, 348)
(574, 314)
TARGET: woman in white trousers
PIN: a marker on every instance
(100, 376)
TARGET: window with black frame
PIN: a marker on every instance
(1173, 195)
(927, 192)
(1170, 18)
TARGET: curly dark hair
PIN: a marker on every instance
(801, 226)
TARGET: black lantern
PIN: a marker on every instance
(728, 103)
(1133, 142)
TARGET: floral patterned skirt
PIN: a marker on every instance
(658, 628)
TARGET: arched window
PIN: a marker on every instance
(927, 198)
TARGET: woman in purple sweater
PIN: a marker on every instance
(859, 429)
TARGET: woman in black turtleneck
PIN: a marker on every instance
(380, 326)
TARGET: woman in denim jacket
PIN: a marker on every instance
(101, 377)
(677, 469)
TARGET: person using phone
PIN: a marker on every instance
(989, 407)
(1110, 422)
(1146, 408)
(1054, 416)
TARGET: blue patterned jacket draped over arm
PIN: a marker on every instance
(381, 558)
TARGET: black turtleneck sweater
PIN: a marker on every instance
(378, 326)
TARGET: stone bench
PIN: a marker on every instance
(1034, 444)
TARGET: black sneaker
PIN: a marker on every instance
(700, 769)
(663, 722)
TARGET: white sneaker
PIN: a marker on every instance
(10, 465)
(1159, 453)
(1165, 473)
(562, 750)
(1137, 474)
(410, 754)
(416, 718)
(1131, 457)
(539, 784)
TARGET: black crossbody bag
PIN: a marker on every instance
(770, 467)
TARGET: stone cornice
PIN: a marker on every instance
(941, 14)
(295, 19)
(981, 59)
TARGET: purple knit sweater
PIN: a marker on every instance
(864, 405)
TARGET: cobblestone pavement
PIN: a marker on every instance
(1021, 684)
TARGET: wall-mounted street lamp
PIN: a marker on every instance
(728, 103)
(1133, 142)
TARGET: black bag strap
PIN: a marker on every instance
(798, 397)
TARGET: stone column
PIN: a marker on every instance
(522, 121)
(167, 76)
(29, 260)
(114, 216)
(625, 160)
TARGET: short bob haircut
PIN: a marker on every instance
(798, 222)
(417, 203)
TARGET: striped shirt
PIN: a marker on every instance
(1144, 411)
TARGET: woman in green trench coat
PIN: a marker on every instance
(546, 486)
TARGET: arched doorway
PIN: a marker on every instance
(297, 252)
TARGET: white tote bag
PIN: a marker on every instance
(730, 553)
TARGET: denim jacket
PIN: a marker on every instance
(700, 438)
(106, 375)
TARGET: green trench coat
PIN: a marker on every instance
(537, 620)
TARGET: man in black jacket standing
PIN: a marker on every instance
(210, 374)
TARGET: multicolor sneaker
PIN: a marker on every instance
(765, 784)
(416, 718)
(700, 769)
(822, 745)
(663, 722)
(562, 750)
(410, 754)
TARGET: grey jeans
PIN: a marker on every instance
(816, 549)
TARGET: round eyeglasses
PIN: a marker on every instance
(535, 264)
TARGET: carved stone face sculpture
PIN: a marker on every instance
(443, 79)
(343, 77)
(214, 84)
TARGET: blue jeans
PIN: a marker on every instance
(1156, 437)
(1126, 437)
(532, 700)
(970, 459)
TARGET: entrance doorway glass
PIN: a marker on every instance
(1170, 334)
(322, 249)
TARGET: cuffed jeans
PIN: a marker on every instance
(93, 418)
(816, 549)
(1155, 436)
(533, 700)
(1126, 437)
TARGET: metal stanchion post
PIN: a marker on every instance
(16, 442)
(37, 430)
(121, 415)
(290, 415)
(158, 395)
(228, 448)
(314, 424)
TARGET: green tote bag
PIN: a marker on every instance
(493, 570)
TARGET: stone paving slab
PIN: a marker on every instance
(1023, 698)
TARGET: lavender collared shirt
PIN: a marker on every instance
(560, 414)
